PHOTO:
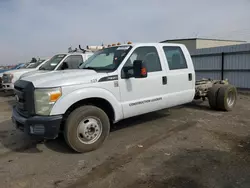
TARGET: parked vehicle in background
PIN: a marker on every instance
(115, 83)
(2, 71)
(63, 61)
(10, 77)
(18, 66)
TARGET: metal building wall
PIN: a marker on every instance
(210, 43)
(227, 62)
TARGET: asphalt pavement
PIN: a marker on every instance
(189, 146)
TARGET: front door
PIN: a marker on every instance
(142, 95)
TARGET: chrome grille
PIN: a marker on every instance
(6, 78)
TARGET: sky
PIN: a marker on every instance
(42, 28)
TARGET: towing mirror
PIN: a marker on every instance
(140, 70)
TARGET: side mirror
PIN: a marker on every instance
(80, 64)
(64, 66)
(140, 70)
(127, 73)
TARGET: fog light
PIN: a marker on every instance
(37, 129)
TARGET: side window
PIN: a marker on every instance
(74, 61)
(175, 57)
(148, 55)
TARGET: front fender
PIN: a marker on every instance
(66, 101)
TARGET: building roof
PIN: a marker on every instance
(202, 39)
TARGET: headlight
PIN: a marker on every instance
(45, 99)
(11, 76)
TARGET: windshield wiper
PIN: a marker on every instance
(90, 68)
(41, 68)
(98, 68)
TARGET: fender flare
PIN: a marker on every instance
(63, 104)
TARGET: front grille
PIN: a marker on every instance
(24, 92)
(6, 78)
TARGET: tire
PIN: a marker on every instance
(227, 97)
(81, 123)
(212, 96)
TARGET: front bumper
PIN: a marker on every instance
(46, 127)
(8, 86)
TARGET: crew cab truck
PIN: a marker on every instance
(115, 83)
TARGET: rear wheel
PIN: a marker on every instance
(212, 96)
(227, 96)
(86, 128)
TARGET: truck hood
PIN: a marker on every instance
(17, 73)
(33, 73)
(63, 78)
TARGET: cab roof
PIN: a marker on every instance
(149, 44)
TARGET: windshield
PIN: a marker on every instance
(34, 65)
(53, 62)
(107, 59)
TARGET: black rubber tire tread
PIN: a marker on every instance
(212, 96)
(75, 117)
(222, 97)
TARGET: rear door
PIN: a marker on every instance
(142, 95)
(180, 76)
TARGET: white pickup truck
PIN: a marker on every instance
(60, 62)
(11, 76)
(115, 83)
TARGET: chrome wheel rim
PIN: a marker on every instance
(230, 98)
(89, 130)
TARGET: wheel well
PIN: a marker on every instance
(98, 102)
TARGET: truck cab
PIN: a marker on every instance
(113, 84)
(61, 61)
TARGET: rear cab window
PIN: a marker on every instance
(175, 57)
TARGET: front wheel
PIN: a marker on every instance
(86, 128)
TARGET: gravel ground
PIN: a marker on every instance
(189, 146)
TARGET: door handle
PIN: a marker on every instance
(164, 80)
(190, 77)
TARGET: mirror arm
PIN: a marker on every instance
(127, 74)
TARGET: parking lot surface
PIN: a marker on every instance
(189, 146)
